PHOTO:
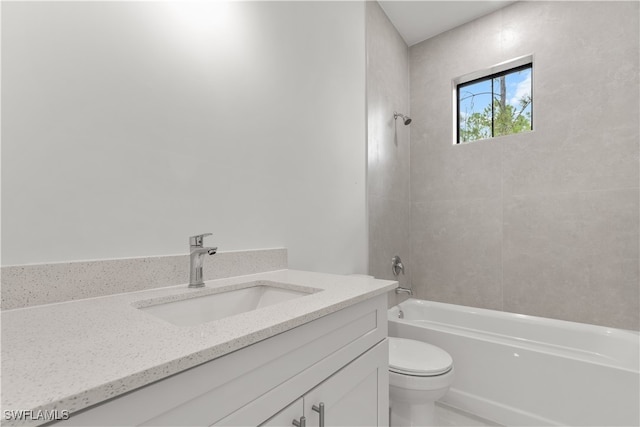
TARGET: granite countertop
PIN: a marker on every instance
(71, 355)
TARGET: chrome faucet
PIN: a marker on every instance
(397, 267)
(196, 259)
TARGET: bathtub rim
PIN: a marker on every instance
(524, 343)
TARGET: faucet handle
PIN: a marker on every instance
(198, 239)
(397, 266)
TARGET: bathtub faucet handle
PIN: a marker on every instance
(397, 266)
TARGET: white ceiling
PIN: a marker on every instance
(419, 20)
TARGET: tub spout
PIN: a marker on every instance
(401, 290)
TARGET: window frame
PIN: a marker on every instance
(499, 70)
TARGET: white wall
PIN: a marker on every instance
(128, 126)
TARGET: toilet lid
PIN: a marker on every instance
(411, 357)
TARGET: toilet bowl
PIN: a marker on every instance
(419, 374)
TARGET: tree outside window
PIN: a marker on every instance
(496, 105)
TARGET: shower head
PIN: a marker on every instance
(405, 119)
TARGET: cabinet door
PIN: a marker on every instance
(286, 416)
(357, 395)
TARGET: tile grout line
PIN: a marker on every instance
(548, 194)
(559, 193)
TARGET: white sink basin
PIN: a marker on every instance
(215, 304)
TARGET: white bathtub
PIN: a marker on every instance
(524, 370)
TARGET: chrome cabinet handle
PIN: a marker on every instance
(301, 423)
(320, 410)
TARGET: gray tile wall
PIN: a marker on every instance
(543, 223)
(388, 190)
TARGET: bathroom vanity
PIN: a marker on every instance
(319, 358)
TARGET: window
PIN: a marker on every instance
(494, 105)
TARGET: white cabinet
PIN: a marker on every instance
(351, 396)
(356, 395)
(339, 359)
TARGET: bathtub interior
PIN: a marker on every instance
(525, 370)
(597, 344)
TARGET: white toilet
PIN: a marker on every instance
(419, 374)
